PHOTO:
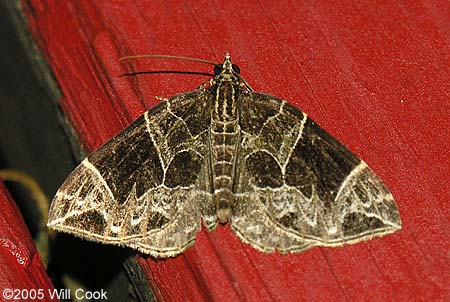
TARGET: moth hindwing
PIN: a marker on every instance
(224, 153)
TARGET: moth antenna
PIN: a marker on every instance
(244, 81)
(167, 57)
(183, 59)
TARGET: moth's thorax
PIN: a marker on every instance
(226, 93)
(225, 105)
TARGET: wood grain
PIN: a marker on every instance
(373, 74)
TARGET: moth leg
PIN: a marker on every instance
(207, 84)
(162, 99)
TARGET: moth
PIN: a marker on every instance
(224, 154)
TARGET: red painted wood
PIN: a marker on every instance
(21, 269)
(373, 73)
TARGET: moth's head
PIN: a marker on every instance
(227, 70)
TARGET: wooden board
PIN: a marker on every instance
(22, 274)
(373, 74)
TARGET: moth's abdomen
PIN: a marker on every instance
(224, 144)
